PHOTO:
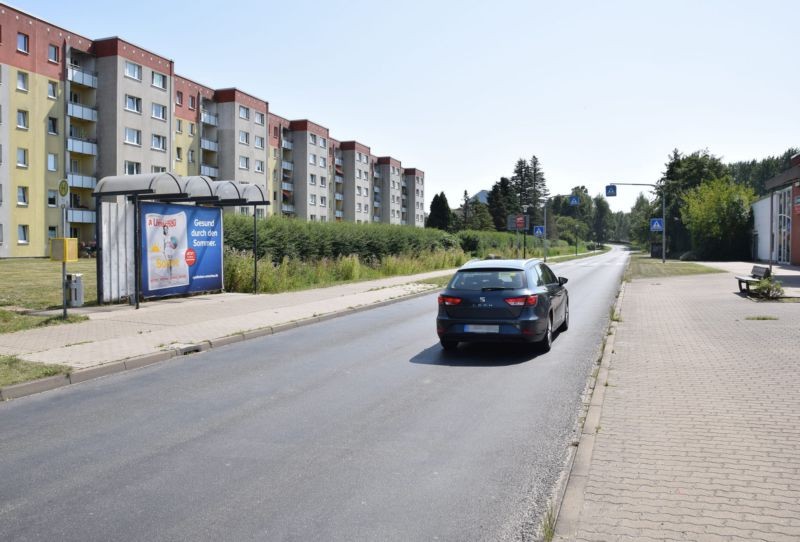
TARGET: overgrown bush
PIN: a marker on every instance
(768, 288)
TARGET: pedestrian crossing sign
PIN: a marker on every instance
(538, 231)
(574, 200)
(656, 224)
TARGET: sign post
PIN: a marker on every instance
(63, 200)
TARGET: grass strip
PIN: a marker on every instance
(15, 371)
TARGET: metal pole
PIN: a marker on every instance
(664, 228)
(137, 252)
(771, 230)
(64, 264)
(544, 239)
(576, 238)
(524, 237)
(255, 253)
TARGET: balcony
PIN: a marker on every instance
(339, 179)
(286, 144)
(287, 208)
(376, 218)
(377, 189)
(82, 77)
(209, 118)
(338, 197)
(209, 145)
(82, 112)
(338, 161)
(339, 214)
(289, 187)
(81, 216)
(209, 171)
(377, 174)
(82, 146)
(376, 203)
(81, 181)
(288, 166)
(403, 222)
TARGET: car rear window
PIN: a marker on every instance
(481, 279)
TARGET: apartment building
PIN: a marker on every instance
(80, 109)
(414, 197)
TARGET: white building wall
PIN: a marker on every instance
(761, 228)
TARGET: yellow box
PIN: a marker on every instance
(64, 249)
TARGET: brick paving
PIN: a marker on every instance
(699, 437)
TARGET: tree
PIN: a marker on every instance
(601, 219)
(717, 215)
(620, 227)
(568, 227)
(755, 172)
(478, 217)
(440, 215)
(641, 212)
(502, 202)
(529, 184)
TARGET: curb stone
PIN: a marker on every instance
(52, 382)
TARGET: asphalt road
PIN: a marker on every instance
(358, 428)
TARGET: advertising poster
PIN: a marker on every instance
(181, 249)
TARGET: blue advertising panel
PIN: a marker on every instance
(181, 249)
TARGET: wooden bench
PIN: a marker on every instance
(758, 272)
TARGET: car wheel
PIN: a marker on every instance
(547, 341)
(448, 346)
(565, 324)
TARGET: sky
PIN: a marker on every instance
(598, 91)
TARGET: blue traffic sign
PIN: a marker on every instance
(538, 231)
(574, 200)
(656, 224)
(611, 190)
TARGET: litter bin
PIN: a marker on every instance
(75, 289)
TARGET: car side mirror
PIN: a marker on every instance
(562, 281)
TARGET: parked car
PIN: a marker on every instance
(503, 300)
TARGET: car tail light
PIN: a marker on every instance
(449, 301)
(523, 301)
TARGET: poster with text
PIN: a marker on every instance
(181, 249)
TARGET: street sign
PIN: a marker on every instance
(517, 222)
(63, 193)
(538, 231)
(656, 224)
(574, 200)
(611, 190)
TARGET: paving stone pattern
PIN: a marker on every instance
(699, 437)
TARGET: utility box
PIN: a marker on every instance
(75, 289)
(655, 250)
(64, 249)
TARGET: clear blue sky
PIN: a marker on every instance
(599, 91)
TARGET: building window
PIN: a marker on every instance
(52, 232)
(275, 132)
(259, 166)
(259, 118)
(179, 126)
(323, 181)
(358, 190)
(244, 137)
(179, 98)
(52, 53)
(312, 138)
(133, 168)
(323, 162)
(133, 136)
(52, 125)
(244, 112)
(1, 234)
(323, 200)
(259, 142)
(52, 196)
(159, 80)
(192, 102)
(22, 157)
(158, 169)
(244, 162)
(22, 43)
(312, 199)
(323, 143)
(22, 234)
(179, 154)
(52, 161)
(22, 195)
(191, 128)
(358, 207)
(358, 173)
(52, 89)
(158, 143)
(312, 179)
(132, 70)
(22, 81)
(312, 159)
(191, 156)
(132, 103)
(22, 119)
(159, 111)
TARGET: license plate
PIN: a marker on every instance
(474, 328)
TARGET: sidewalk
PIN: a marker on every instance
(697, 436)
(163, 328)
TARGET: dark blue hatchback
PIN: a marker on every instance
(503, 300)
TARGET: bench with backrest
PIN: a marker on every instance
(758, 273)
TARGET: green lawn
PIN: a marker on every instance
(12, 321)
(643, 266)
(35, 283)
(14, 370)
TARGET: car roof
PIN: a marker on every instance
(498, 264)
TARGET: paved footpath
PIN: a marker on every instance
(699, 433)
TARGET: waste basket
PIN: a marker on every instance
(75, 289)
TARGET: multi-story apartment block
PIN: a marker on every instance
(357, 169)
(389, 174)
(80, 109)
(414, 195)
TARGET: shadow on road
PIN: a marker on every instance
(477, 355)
